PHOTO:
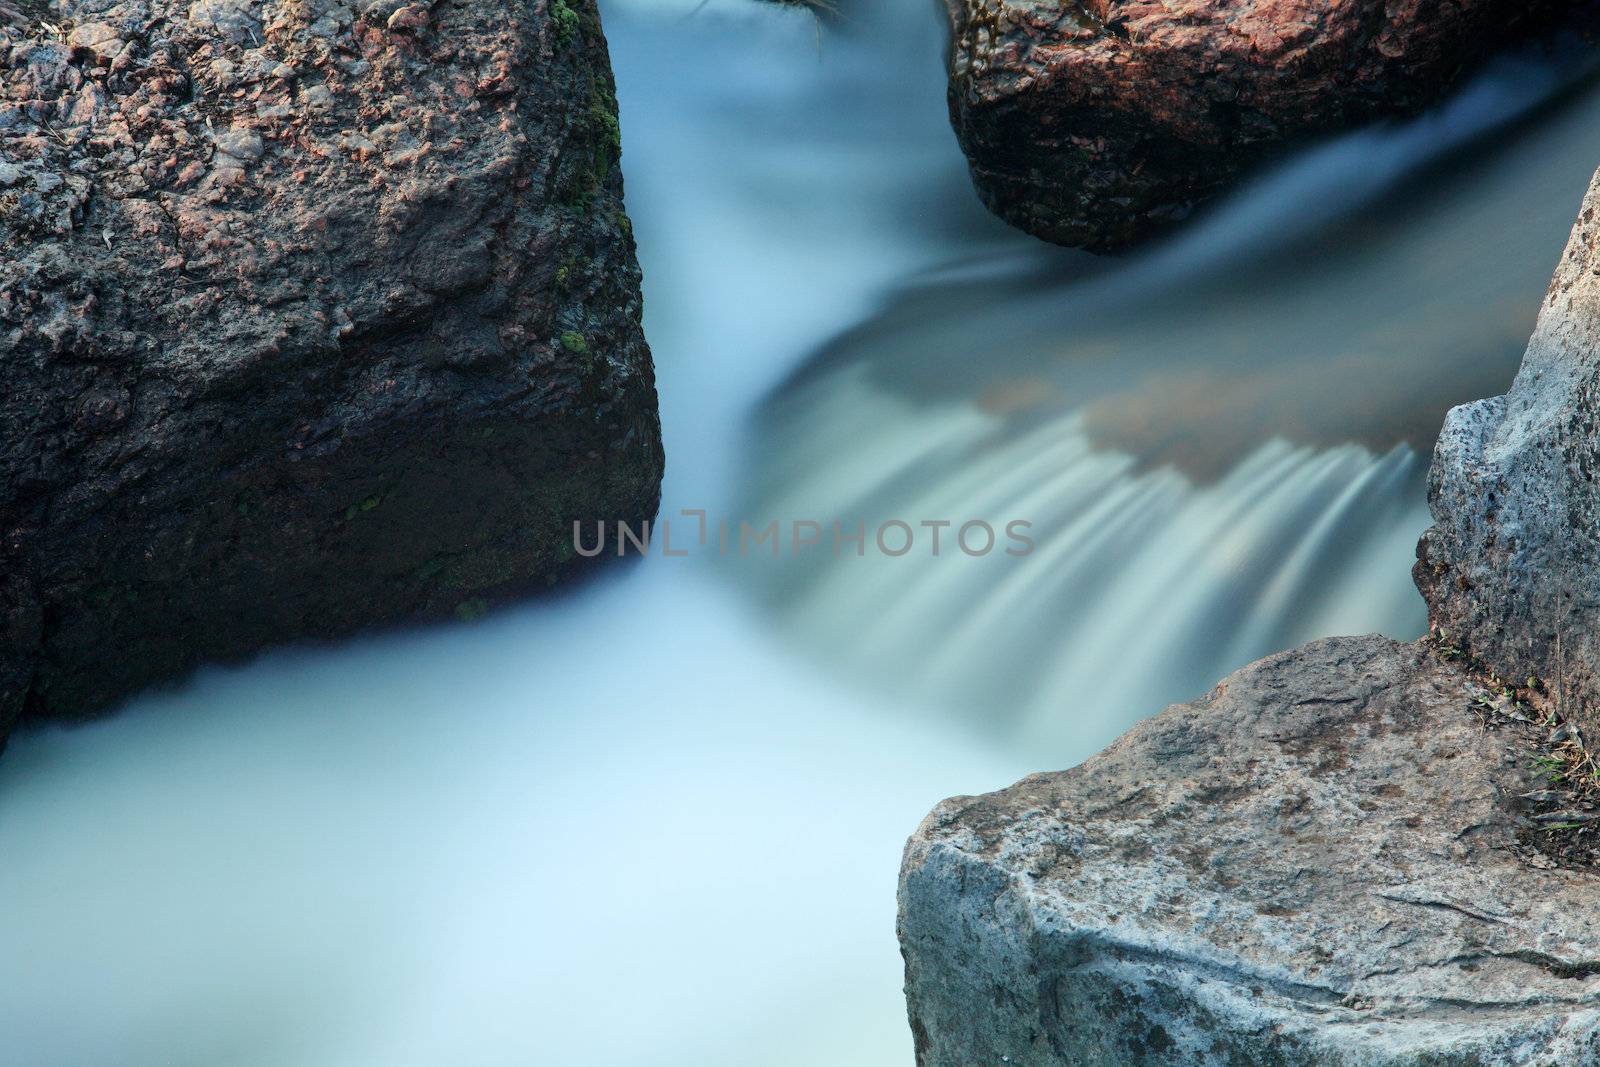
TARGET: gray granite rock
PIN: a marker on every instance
(1511, 567)
(1318, 863)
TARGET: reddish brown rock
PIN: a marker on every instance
(1103, 122)
(313, 315)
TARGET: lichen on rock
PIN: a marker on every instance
(263, 261)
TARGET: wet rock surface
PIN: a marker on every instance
(1511, 566)
(1319, 863)
(312, 315)
(1103, 122)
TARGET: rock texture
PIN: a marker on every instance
(1102, 122)
(1511, 567)
(313, 315)
(1331, 859)
(1316, 864)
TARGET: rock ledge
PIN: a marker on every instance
(1318, 863)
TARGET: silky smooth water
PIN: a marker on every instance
(1221, 443)
(657, 821)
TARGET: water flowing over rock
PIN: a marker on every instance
(311, 316)
(1102, 122)
(1318, 863)
(1511, 567)
(1337, 857)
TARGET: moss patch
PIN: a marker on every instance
(605, 126)
(362, 507)
(568, 22)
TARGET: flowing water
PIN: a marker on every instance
(657, 821)
(1221, 446)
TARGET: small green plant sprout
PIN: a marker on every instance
(1550, 767)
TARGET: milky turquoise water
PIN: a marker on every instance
(657, 823)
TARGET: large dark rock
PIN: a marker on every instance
(1321, 863)
(1102, 122)
(1511, 567)
(311, 317)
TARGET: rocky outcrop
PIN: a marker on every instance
(1103, 122)
(1511, 567)
(1319, 863)
(312, 315)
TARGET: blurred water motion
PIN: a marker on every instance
(642, 826)
(1221, 444)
